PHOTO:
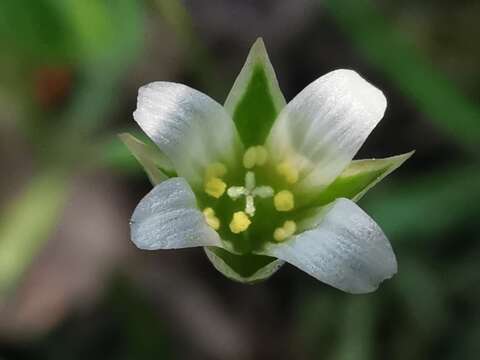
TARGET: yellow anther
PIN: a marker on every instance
(215, 187)
(208, 212)
(292, 176)
(240, 222)
(282, 168)
(215, 170)
(213, 222)
(279, 234)
(288, 171)
(250, 157)
(262, 155)
(255, 155)
(284, 201)
(211, 219)
(288, 229)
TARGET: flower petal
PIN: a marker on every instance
(346, 249)
(167, 218)
(152, 160)
(323, 127)
(247, 269)
(255, 99)
(192, 129)
(359, 177)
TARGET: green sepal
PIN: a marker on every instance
(359, 177)
(247, 269)
(255, 98)
(153, 161)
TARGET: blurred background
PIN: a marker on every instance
(72, 286)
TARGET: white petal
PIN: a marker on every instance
(322, 128)
(192, 129)
(167, 218)
(346, 250)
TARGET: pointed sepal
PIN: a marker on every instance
(247, 269)
(359, 177)
(154, 162)
(255, 98)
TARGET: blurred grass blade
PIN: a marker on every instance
(177, 17)
(408, 69)
(357, 330)
(96, 25)
(427, 206)
(27, 222)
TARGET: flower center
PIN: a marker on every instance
(250, 191)
(236, 206)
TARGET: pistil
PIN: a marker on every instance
(250, 191)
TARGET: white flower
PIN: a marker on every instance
(259, 182)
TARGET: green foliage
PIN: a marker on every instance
(96, 26)
(69, 30)
(35, 30)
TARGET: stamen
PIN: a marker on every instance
(250, 158)
(211, 219)
(288, 229)
(215, 187)
(240, 222)
(262, 155)
(208, 212)
(289, 172)
(255, 155)
(215, 170)
(213, 222)
(284, 201)
(234, 192)
(279, 234)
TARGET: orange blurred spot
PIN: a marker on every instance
(52, 85)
